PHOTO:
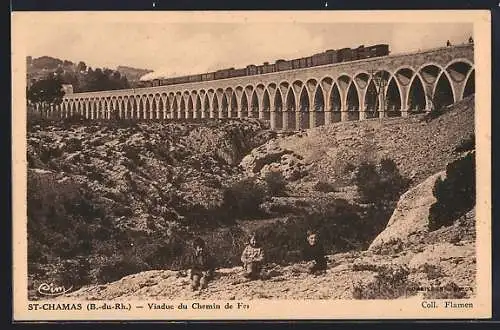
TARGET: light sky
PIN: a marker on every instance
(173, 49)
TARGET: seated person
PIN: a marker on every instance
(314, 251)
(252, 259)
(202, 266)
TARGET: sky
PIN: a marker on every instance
(180, 48)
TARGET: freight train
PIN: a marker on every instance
(327, 57)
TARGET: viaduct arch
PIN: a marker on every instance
(301, 98)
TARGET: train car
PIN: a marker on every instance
(238, 72)
(222, 74)
(309, 62)
(320, 59)
(296, 63)
(360, 53)
(268, 68)
(303, 63)
(167, 81)
(378, 50)
(345, 54)
(331, 56)
(194, 78)
(251, 70)
(207, 76)
(282, 65)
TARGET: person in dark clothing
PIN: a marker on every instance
(202, 266)
(314, 251)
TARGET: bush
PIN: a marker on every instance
(389, 283)
(115, 269)
(338, 223)
(381, 185)
(467, 144)
(456, 194)
(276, 184)
(243, 198)
(324, 187)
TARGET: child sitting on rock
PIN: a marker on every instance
(253, 259)
(202, 266)
(314, 251)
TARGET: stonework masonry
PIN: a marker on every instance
(395, 85)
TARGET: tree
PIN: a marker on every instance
(46, 92)
(82, 67)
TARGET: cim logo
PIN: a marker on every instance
(52, 289)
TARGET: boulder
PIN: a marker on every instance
(411, 213)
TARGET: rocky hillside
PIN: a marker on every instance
(117, 199)
(442, 262)
(419, 147)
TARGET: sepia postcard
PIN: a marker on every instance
(251, 165)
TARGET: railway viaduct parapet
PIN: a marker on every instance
(394, 85)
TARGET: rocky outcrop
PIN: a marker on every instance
(271, 157)
(411, 213)
(156, 171)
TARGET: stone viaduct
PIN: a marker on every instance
(394, 85)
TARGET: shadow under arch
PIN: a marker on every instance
(302, 116)
(393, 99)
(416, 98)
(319, 107)
(335, 104)
(352, 103)
(278, 108)
(443, 94)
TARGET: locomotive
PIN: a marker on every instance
(329, 56)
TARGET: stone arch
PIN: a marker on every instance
(404, 75)
(206, 106)
(266, 106)
(343, 82)
(271, 89)
(371, 101)
(130, 109)
(233, 109)
(335, 103)
(140, 107)
(162, 112)
(224, 106)
(175, 109)
(458, 69)
(278, 108)
(393, 99)
(190, 108)
(197, 110)
(352, 103)
(302, 115)
(311, 84)
(244, 105)
(291, 107)
(283, 87)
(73, 108)
(147, 109)
(154, 109)
(318, 118)
(182, 109)
(430, 72)
(254, 105)
(215, 106)
(416, 99)
(361, 79)
(470, 85)
(443, 94)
